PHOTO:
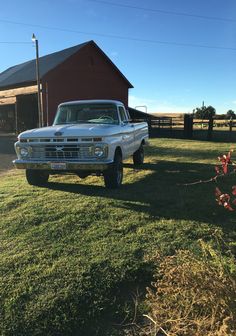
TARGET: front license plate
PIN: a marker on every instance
(58, 165)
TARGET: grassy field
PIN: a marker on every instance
(73, 254)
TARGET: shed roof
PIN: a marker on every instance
(137, 114)
(25, 73)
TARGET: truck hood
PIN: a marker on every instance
(72, 130)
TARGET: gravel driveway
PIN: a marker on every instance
(7, 152)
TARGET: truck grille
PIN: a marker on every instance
(65, 152)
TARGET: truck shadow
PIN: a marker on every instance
(163, 193)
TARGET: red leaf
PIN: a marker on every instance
(234, 201)
(224, 198)
(228, 157)
(217, 169)
(225, 168)
(217, 192)
(234, 190)
(228, 206)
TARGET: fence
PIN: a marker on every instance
(186, 127)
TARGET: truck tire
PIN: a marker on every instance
(36, 177)
(138, 156)
(114, 175)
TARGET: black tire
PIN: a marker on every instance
(36, 177)
(114, 175)
(138, 156)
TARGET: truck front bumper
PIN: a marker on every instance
(62, 165)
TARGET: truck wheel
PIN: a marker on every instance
(138, 156)
(36, 177)
(114, 175)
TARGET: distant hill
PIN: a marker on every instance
(169, 115)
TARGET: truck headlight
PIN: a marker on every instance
(24, 151)
(99, 151)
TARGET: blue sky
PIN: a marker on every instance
(176, 53)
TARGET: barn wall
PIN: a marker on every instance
(85, 75)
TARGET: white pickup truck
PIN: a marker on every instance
(87, 137)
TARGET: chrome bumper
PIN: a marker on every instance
(68, 165)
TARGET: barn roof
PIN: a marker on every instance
(25, 73)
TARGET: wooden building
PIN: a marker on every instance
(80, 72)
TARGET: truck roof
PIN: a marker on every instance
(96, 101)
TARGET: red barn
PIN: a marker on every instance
(80, 72)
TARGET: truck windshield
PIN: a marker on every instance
(87, 113)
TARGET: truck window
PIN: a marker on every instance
(100, 113)
(123, 116)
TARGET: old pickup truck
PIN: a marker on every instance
(87, 137)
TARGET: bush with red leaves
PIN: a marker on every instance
(226, 167)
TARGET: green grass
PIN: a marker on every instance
(72, 254)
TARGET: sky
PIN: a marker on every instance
(176, 53)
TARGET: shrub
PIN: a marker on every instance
(192, 295)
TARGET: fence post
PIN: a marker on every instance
(210, 128)
(188, 126)
(230, 128)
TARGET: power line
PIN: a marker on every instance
(128, 38)
(205, 17)
(14, 42)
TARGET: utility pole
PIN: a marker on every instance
(40, 114)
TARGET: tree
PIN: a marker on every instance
(204, 112)
(210, 112)
(199, 112)
(230, 114)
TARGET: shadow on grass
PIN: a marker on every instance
(162, 193)
(188, 153)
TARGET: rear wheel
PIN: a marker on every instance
(138, 156)
(36, 177)
(114, 175)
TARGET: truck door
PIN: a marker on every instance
(128, 132)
